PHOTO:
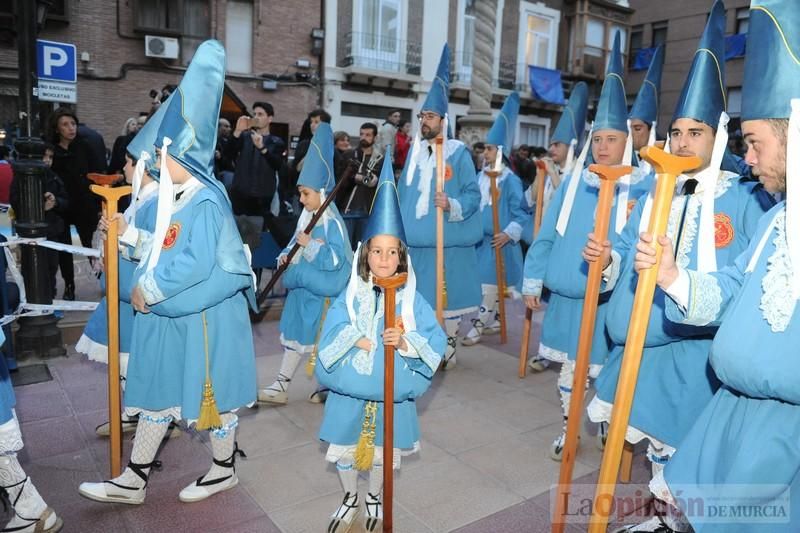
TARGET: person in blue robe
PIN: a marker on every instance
(192, 343)
(351, 360)
(713, 217)
(460, 202)
(511, 216)
(30, 513)
(738, 467)
(554, 261)
(317, 274)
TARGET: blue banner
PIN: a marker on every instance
(735, 45)
(546, 84)
(643, 58)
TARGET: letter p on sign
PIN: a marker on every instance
(56, 61)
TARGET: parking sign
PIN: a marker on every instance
(56, 61)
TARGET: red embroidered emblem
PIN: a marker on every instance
(448, 172)
(172, 235)
(723, 230)
(631, 205)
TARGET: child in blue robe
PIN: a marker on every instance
(351, 361)
(511, 218)
(30, 512)
(318, 273)
(554, 261)
(192, 342)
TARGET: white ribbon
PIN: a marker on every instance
(570, 160)
(644, 222)
(792, 214)
(644, 166)
(136, 185)
(164, 211)
(624, 186)
(572, 189)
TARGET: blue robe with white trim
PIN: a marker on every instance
(675, 381)
(355, 376)
(462, 230)
(745, 445)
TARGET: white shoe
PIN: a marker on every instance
(108, 491)
(277, 393)
(557, 448)
(473, 337)
(200, 490)
(538, 364)
(48, 522)
(318, 396)
(374, 521)
(602, 435)
(345, 516)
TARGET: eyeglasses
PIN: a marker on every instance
(427, 116)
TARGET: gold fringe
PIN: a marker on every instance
(312, 359)
(365, 449)
(209, 415)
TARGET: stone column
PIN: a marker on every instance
(476, 124)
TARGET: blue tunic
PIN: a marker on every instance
(675, 381)
(512, 219)
(97, 327)
(554, 261)
(7, 398)
(321, 271)
(355, 376)
(462, 227)
(749, 434)
(188, 292)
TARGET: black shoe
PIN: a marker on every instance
(69, 291)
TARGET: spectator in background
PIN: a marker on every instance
(98, 155)
(56, 203)
(402, 145)
(341, 145)
(387, 134)
(72, 161)
(314, 119)
(523, 166)
(6, 174)
(118, 151)
(223, 164)
(355, 198)
(477, 155)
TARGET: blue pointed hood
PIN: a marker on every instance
(505, 125)
(645, 107)
(317, 170)
(440, 86)
(384, 216)
(703, 95)
(572, 123)
(191, 116)
(771, 65)
(612, 108)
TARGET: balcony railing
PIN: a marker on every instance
(381, 53)
(507, 72)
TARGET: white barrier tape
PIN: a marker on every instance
(59, 246)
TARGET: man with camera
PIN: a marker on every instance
(355, 200)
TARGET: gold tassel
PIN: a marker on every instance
(312, 359)
(365, 449)
(209, 415)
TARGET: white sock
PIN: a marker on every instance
(289, 364)
(565, 378)
(150, 431)
(223, 447)
(27, 502)
(348, 475)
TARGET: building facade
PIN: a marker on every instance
(678, 25)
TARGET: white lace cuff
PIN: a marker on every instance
(514, 231)
(679, 290)
(418, 347)
(611, 272)
(455, 211)
(152, 294)
(130, 237)
(144, 242)
(532, 287)
(311, 250)
(705, 299)
(342, 344)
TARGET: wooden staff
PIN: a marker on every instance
(668, 167)
(389, 286)
(498, 254)
(608, 178)
(440, 287)
(111, 198)
(541, 176)
(348, 174)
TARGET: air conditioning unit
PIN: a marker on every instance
(163, 47)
